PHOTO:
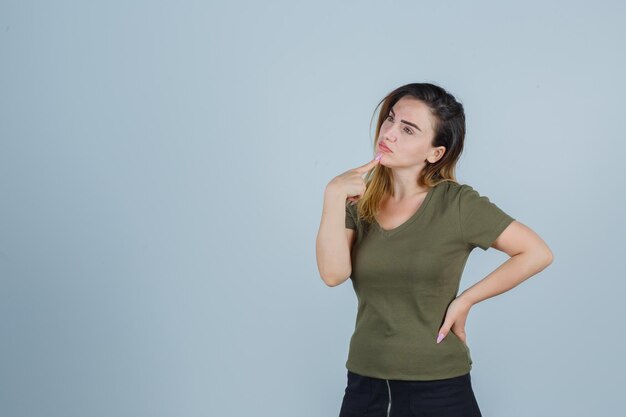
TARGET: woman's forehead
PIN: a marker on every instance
(415, 111)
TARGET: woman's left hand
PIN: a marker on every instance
(456, 315)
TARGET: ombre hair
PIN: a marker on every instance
(449, 131)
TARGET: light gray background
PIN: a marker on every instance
(162, 167)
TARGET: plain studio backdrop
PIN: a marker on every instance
(162, 168)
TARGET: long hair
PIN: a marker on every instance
(449, 128)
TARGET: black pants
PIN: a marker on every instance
(373, 397)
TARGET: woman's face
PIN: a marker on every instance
(408, 132)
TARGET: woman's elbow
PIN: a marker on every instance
(543, 256)
(332, 280)
(549, 256)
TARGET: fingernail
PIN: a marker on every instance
(440, 337)
(378, 156)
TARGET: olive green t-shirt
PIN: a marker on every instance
(406, 277)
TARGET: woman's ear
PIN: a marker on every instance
(436, 154)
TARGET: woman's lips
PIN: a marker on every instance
(384, 148)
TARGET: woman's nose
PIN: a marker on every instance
(389, 135)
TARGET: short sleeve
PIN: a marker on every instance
(481, 220)
(350, 216)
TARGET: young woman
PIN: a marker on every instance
(403, 235)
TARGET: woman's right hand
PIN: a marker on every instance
(351, 183)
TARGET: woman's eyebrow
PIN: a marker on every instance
(408, 123)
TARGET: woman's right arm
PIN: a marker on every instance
(334, 239)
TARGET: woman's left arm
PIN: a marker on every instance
(529, 255)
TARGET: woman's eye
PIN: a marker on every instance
(406, 129)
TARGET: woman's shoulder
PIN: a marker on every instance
(451, 187)
(452, 191)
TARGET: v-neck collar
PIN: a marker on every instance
(410, 220)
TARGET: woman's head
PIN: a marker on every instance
(434, 144)
(424, 127)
